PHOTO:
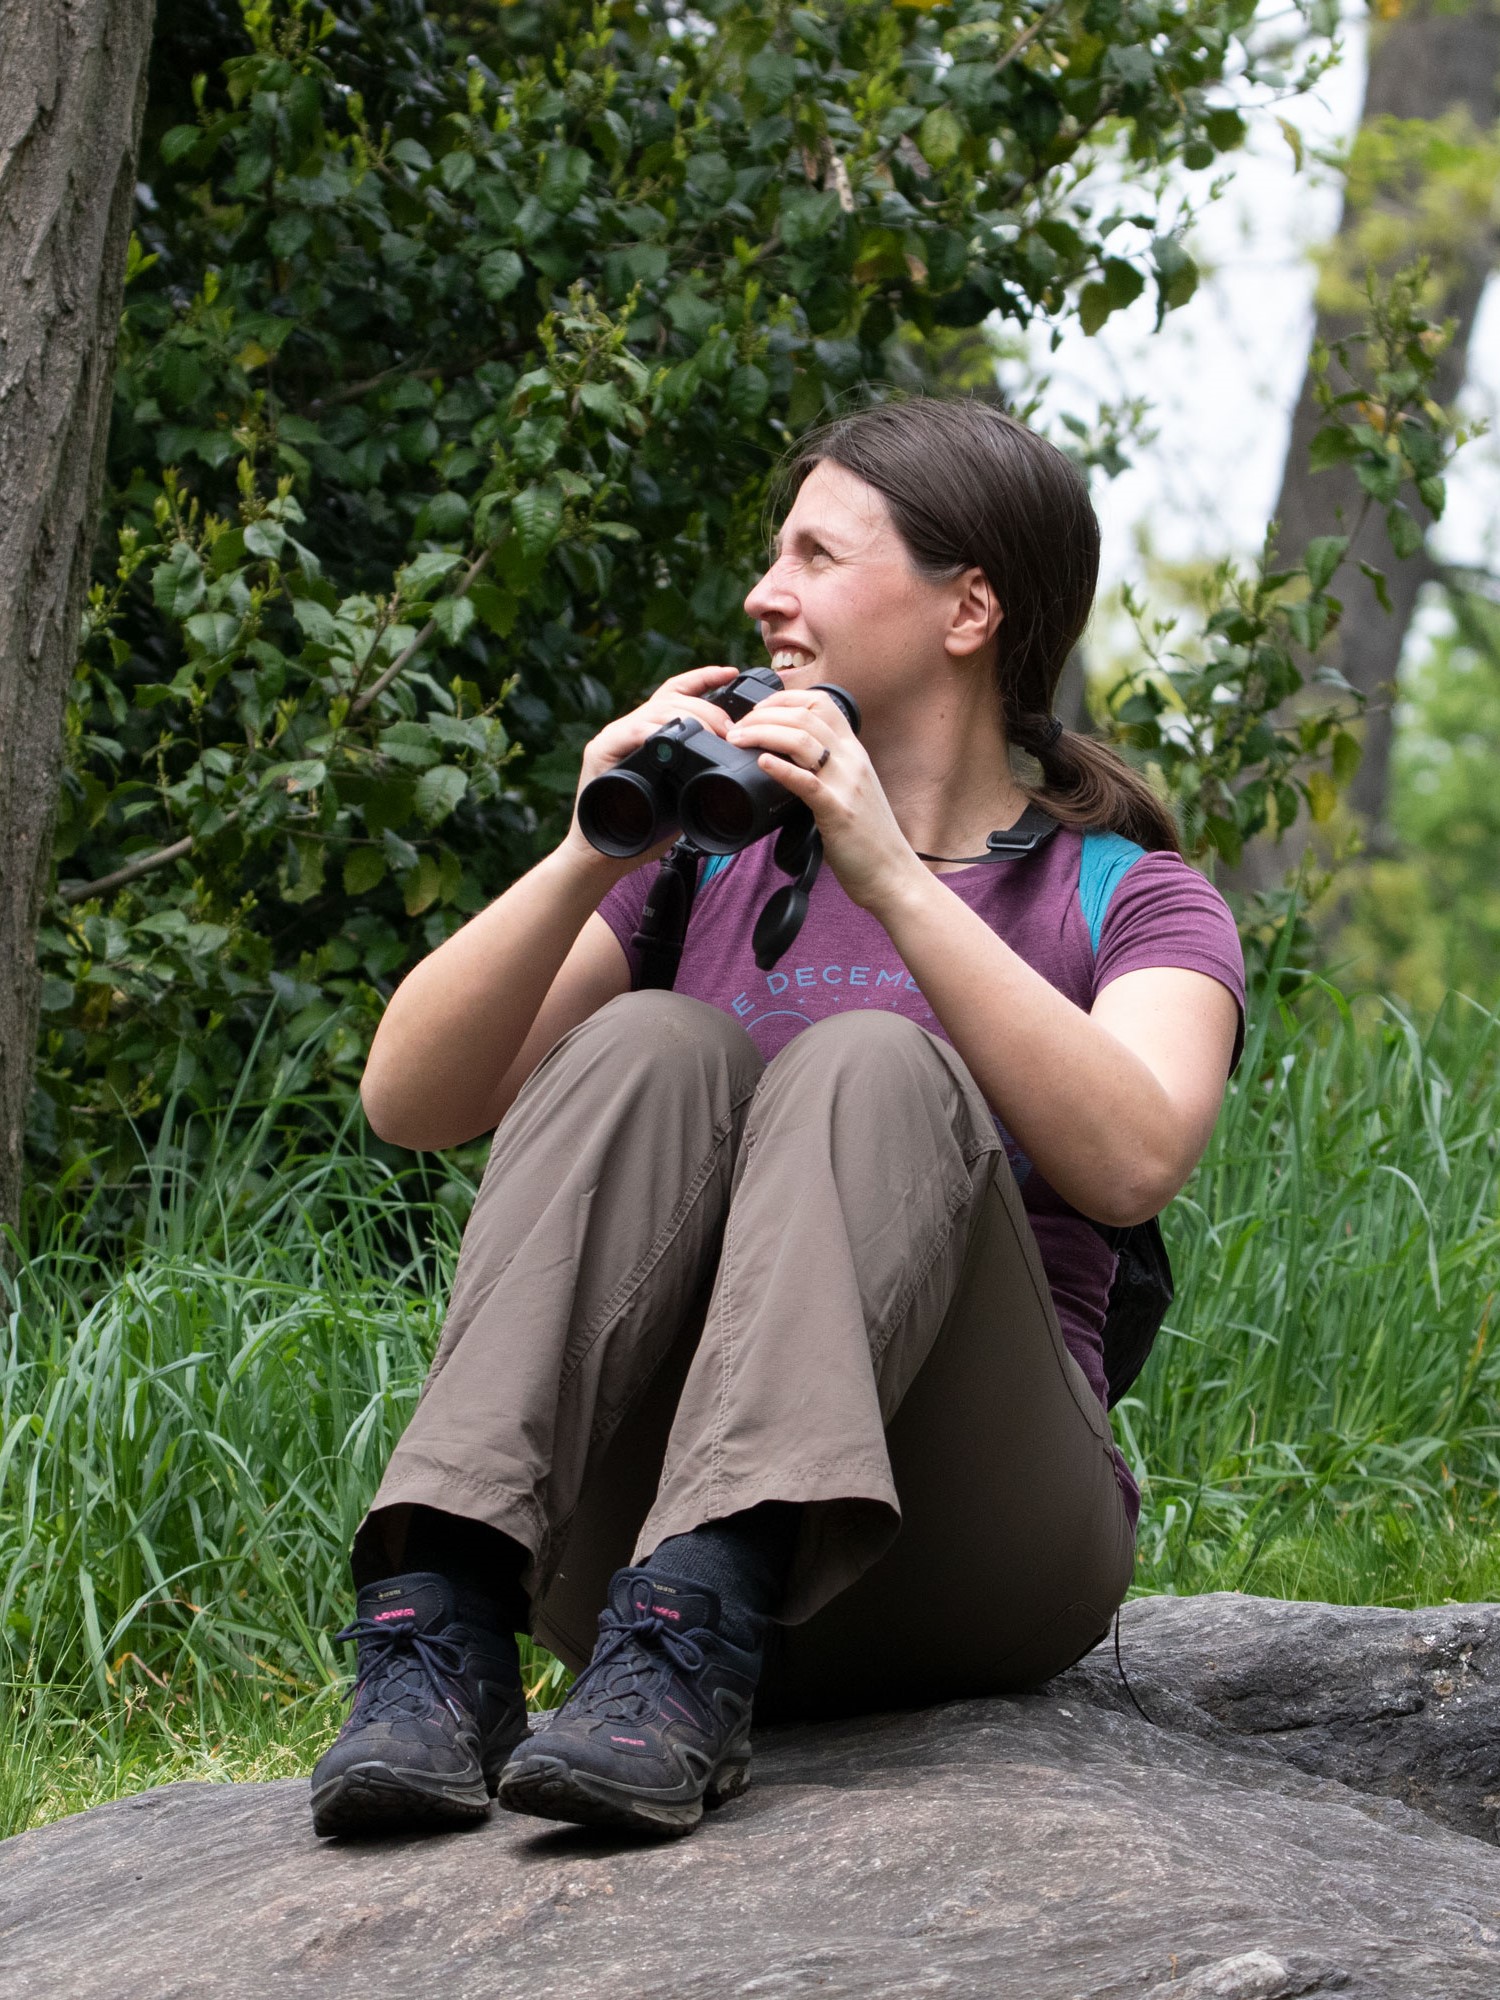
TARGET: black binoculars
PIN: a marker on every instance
(686, 777)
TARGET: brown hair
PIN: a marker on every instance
(967, 486)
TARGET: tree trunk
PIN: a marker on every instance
(72, 92)
(1428, 63)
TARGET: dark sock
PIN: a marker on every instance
(744, 1559)
(483, 1566)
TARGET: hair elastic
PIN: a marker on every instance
(1054, 730)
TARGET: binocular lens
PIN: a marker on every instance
(617, 813)
(717, 814)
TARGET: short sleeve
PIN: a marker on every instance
(1163, 912)
(621, 910)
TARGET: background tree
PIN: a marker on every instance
(72, 90)
(1421, 181)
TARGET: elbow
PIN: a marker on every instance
(380, 1116)
(1140, 1191)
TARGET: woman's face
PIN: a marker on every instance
(841, 601)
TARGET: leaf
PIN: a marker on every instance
(747, 392)
(806, 217)
(289, 232)
(940, 136)
(445, 516)
(411, 154)
(689, 313)
(1404, 531)
(265, 538)
(453, 616)
(310, 856)
(1226, 130)
(316, 620)
(565, 175)
(1322, 795)
(603, 399)
(774, 77)
(420, 885)
(1380, 477)
(439, 791)
(1346, 756)
(537, 512)
(214, 631)
(178, 141)
(1293, 138)
(1094, 307)
(1176, 272)
(428, 568)
(1381, 588)
(1333, 445)
(499, 274)
(1324, 554)
(304, 775)
(364, 867)
(177, 583)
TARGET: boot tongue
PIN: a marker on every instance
(681, 1606)
(420, 1602)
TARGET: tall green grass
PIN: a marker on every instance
(1328, 1357)
(191, 1428)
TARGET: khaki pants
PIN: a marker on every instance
(694, 1280)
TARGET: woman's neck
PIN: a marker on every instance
(947, 776)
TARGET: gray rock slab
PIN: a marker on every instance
(1050, 1847)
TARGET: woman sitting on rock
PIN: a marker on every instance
(776, 1331)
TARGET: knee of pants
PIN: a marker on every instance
(865, 1039)
(671, 1028)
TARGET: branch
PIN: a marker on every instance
(1027, 36)
(377, 687)
(79, 892)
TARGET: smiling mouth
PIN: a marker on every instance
(785, 658)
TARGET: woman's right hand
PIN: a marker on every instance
(682, 695)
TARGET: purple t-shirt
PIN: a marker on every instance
(1081, 909)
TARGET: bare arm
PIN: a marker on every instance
(1114, 1106)
(467, 1026)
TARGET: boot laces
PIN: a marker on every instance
(621, 1682)
(398, 1663)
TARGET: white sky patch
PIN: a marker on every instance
(1223, 374)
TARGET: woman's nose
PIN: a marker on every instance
(769, 596)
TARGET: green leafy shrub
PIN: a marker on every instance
(455, 357)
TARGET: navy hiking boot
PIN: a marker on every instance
(657, 1725)
(437, 1708)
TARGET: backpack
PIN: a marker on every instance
(1141, 1290)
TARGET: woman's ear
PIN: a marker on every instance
(974, 617)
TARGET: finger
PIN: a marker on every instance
(796, 777)
(697, 678)
(809, 702)
(799, 747)
(792, 736)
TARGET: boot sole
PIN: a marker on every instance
(548, 1788)
(380, 1798)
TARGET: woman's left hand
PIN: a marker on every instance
(862, 842)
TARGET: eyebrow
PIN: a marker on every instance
(818, 535)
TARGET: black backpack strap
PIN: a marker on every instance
(1030, 830)
(1138, 1299)
(664, 920)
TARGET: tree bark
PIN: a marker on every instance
(72, 94)
(1427, 63)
